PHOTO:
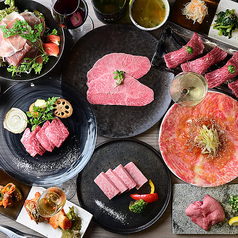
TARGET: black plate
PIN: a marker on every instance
(22, 5)
(114, 215)
(64, 162)
(119, 121)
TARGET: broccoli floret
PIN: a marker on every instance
(137, 206)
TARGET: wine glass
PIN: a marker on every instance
(73, 16)
(188, 89)
(51, 201)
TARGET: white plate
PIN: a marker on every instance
(213, 33)
(46, 229)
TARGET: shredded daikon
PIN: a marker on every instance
(195, 10)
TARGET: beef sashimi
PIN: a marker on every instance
(12, 44)
(193, 48)
(228, 71)
(43, 139)
(201, 65)
(234, 87)
(205, 213)
(135, 66)
(130, 93)
(56, 132)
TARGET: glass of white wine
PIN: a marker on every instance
(188, 89)
(51, 201)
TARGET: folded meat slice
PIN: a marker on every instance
(43, 139)
(12, 44)
(205, 213)
(201, 65)
(56, 132)
(228, 71)
(130, 93)
(133, 65)
(193, 48)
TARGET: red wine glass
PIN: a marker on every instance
(73, 16)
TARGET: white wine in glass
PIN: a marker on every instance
(51, 202)
(188, 89)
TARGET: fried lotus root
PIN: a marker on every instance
(62, 108)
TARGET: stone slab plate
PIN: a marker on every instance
(119, 121)
(184, 194)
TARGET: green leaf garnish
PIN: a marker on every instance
(119, 76)
(231, 69)
(189, 50)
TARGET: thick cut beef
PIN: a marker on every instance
(205, 213)
(136, 174)
(135, 66)
(228, 71)
(201, 65)
(193, 48)
(130, 93)
(116, 181)
(43, 139)
(125, 176)
(56, 132)
(106, 185)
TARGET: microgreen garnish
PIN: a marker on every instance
(119, 76)
(231, 69)
(33, 35)
(189, 50)
(233, 202)
(43, 114)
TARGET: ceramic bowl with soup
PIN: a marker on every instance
(149, 14)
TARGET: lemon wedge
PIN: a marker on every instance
(233, 221)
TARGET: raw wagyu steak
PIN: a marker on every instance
(228, 71)
(102, 87)
(130, 93)
(193, 48)
(135, 66)
(205, 213)
(186, 155)
(201, 65)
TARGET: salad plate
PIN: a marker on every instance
(51, 24)
(115, 121)
(114, 215)
(62, 163)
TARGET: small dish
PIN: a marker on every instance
(167, 11)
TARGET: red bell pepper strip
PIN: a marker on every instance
(151, 197)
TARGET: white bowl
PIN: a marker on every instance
(151, 28)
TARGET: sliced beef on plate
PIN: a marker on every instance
(43, 139)
(234, 87)
(136, 174)
(125, 176)
(12, 44)
(130, 93)
(56, 132)
(219, 76)
(133, 65)
(106, 185)
(201, 65)
(30, 142)
(116, 180)
(205, 213)
(184, 54)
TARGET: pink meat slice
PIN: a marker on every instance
(43, 139)
(35, 143)
(125, 176)
(180, 56)
(56, 132)
(136, 174)
(135, 66)
(219, 76)
(130, 93)
(26, 141)
(205, 213)
(201, 65)
(116, 181)
(106, 185)
(234, 87)
(12, 44)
